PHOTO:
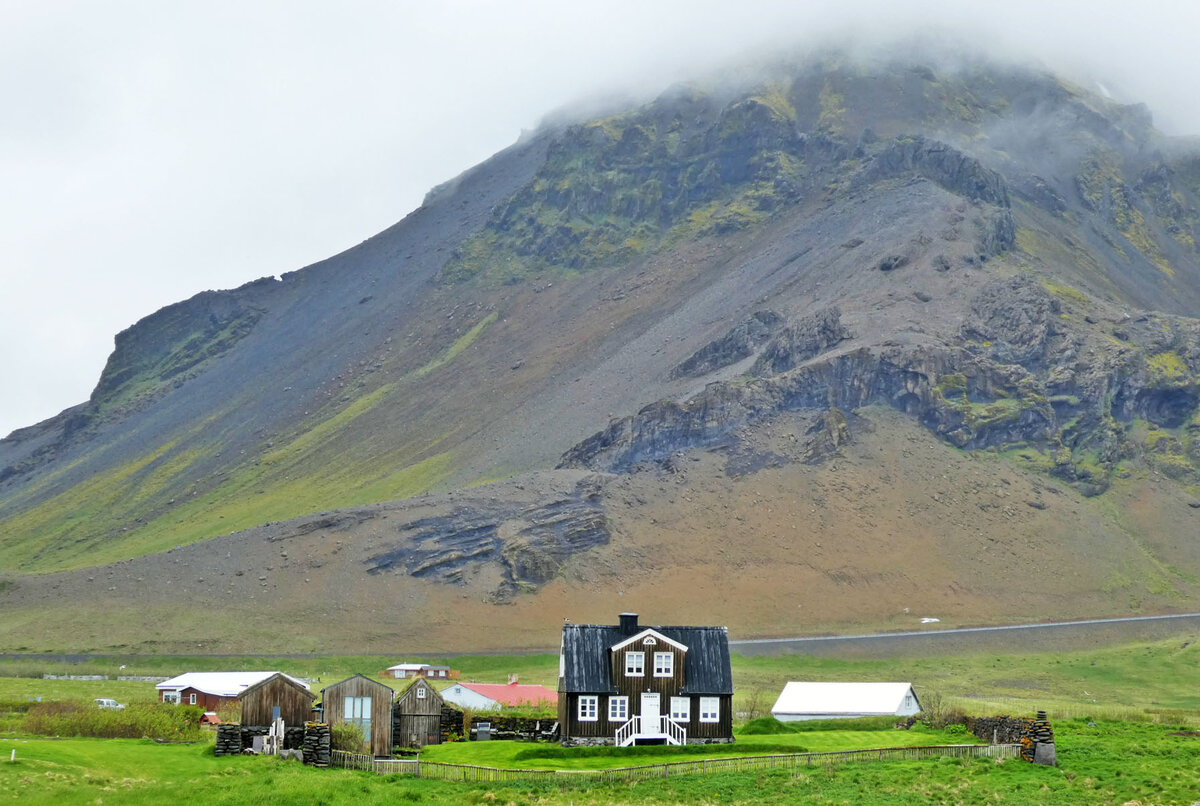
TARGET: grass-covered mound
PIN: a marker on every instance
(770, 726)
(635, 755)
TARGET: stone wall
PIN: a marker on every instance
(1035, 735)
(233, 739)
(318, 740)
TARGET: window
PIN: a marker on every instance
(681, 709)
(421, 693)
(710, 709)
(664, 664)
(649, 640)
(635, 664)
(192, 698)
(171, 696)
(618, 709)
(587, 709)
(358, 712)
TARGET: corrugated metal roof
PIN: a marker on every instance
(414, 667)
(219, 684)
(587, 668)
(841, 698)
(513, 693)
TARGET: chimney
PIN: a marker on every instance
(512, 679)
(628, 623)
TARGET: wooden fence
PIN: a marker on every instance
(471, 772)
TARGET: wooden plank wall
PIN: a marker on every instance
(294, 701)
(380, 740)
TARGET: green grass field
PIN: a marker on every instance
(1138, 694)
(1156, 680)
(1112, 762)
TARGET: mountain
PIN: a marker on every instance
(848, 343)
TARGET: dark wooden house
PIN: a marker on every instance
(418, 715)
(365, 703)
(627, 684)
(274, 697)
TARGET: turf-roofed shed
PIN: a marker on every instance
(626, 684)
(417, 715)
(275, 697)
(363, 702)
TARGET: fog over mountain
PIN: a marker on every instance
(155, 150)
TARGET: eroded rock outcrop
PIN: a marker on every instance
(528, 543)
(740, 342)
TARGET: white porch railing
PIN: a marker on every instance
(639, 727)
(676, 733)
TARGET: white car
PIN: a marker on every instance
(104, 702)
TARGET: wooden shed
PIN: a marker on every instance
(276, 696)
(366, 703)
(419, 715)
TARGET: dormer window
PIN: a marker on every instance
(635, 664)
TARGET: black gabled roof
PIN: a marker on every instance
(588, 669)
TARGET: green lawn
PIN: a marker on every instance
(25, 688)
(1151, 680)
(1113, 762)
(523, 755)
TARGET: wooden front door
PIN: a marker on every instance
(650, 712)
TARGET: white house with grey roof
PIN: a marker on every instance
(801, 701)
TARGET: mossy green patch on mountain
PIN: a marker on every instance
(1065, 293)
(250, 495)
(316, 434)
(1103, 189)
(614, 188)
(463, 342)
(95, 510)
(176, 341)
(1168, 368)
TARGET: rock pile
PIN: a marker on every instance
(229, 740)
(317, 743)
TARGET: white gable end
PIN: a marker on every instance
(640, 640)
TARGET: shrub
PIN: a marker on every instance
(348, 737)
(155, 721)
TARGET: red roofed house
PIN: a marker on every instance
(491, 696)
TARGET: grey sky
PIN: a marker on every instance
(151, 150)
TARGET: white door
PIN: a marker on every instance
(650, 713)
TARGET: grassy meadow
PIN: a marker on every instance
(1125, 718)
(1108, 762)
(1157, 680)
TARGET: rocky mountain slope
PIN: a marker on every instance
(785, 287)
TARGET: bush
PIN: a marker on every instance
(154, 721)
(348, 737)
(765, 726)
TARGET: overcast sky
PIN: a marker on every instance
(151, 150)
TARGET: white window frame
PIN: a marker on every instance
(192, 698)
(664, 664)
(420, 692)
(710, 709)
(358, 712)
(618, 709)
(681, 709)
(171, 696)
(635, 664)
(589, 708)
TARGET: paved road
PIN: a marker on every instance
(1047, 635)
